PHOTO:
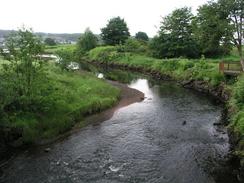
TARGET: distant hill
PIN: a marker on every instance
(61, 38)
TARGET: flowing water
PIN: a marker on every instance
(167, 138)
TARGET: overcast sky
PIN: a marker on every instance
(73, 16)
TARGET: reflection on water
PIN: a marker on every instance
(142, 85)
(146, 142)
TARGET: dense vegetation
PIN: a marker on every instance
(179, 69)
(142, 36)
(39, 98)
(87, 41)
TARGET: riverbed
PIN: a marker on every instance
(169, 137)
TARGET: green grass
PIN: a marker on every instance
(178, 69)
(56, 48)
(232, 57)
(73, 96)
(236, 106)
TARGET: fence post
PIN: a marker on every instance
(221, 66)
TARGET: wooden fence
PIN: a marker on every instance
(230, 68)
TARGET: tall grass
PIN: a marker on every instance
(179, 68)
(69, 97)
(59, 47)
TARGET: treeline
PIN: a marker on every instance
(212, 32)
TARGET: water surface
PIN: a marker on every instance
(167, 138)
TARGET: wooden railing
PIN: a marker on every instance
(230, 68)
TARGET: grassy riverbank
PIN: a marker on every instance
(68, 97)
(203, 70)
(178, 69)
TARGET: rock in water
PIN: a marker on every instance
(47, 150)
(184, 123)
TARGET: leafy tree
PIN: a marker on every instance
(142, 36)
(23, 71)
(116, 32)
(234, 12)
(87, 41)
(211, 30)
(50, 42)
(159, 46)
(175, 36)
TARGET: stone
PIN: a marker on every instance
(217, 124)
(47, 150)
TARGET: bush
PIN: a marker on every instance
(135, 46)
(50, 42)
(106, 53)
(238, 92)
(142, 36)
(66, 56)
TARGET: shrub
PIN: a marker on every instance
(106, 53)
(66, 56)
(135, 46)
(238, 92)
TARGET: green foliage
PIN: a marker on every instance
(65, 58)
(141, 36)
(179, 69)
(236, 104)
(67, 98)
(87, 41)
(157, 47)
(238, 123)
(50, 42)
(233, 11)
(76, 95)
(21, 75)
(212, 31)
(175, 36)
(42, 100)
(238, 92)
(60, 47)
(116, 32)
(105, 53)
(135, 46)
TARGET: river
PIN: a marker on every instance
(169, 137)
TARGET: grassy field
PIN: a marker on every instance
(56, 48)
(73, 95)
